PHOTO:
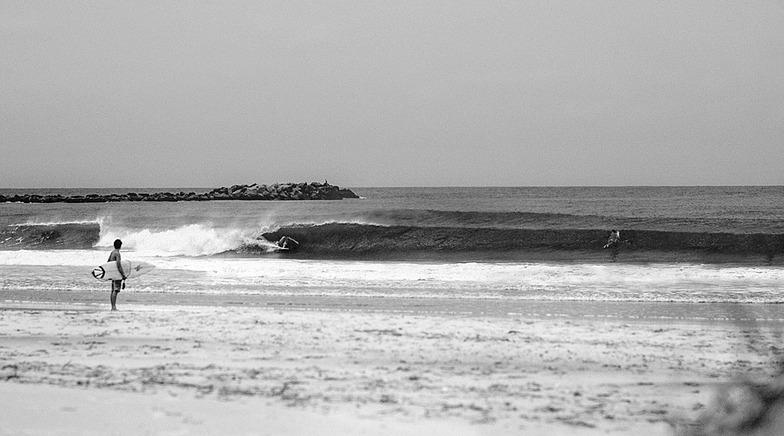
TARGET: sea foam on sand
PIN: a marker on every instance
(233, 370)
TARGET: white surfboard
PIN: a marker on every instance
(109, 271)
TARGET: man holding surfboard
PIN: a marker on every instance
(117, 284)
(117, 270)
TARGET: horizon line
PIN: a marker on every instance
(410, 186)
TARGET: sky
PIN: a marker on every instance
(401, 93)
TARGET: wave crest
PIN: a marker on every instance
(189, 240)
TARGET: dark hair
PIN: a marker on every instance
(117, 243)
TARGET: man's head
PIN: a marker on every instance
(117, 244)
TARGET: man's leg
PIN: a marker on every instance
(115, 290)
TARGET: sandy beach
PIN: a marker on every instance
(233, 370)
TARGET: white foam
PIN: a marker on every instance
(190, 240)
(161, 248)
(483, 275)
(53, 257)
(513, 281)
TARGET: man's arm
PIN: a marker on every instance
(119, 265)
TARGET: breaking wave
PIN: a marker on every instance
(429, 235)
(46, 236)
(348, 240)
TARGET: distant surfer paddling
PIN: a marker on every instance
(614, 239)
(117, 284)
(287, 243)
(612, 243)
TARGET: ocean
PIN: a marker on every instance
(686, 253)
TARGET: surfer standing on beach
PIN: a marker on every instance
(117, 284)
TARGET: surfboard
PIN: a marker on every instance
(287, 244)
(109, 271)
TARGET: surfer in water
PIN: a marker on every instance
(614, 239)
(612, 243)
(117, 284)
(287, 243)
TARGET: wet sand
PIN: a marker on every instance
(81, 369)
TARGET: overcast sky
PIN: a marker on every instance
(399, 93)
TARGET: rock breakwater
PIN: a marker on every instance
(277, 191)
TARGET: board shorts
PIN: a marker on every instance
(117, 285)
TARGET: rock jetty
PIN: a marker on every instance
(278, 191)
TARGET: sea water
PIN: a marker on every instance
(711, 253)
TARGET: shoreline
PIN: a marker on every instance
(653, 311)
(393, 372)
